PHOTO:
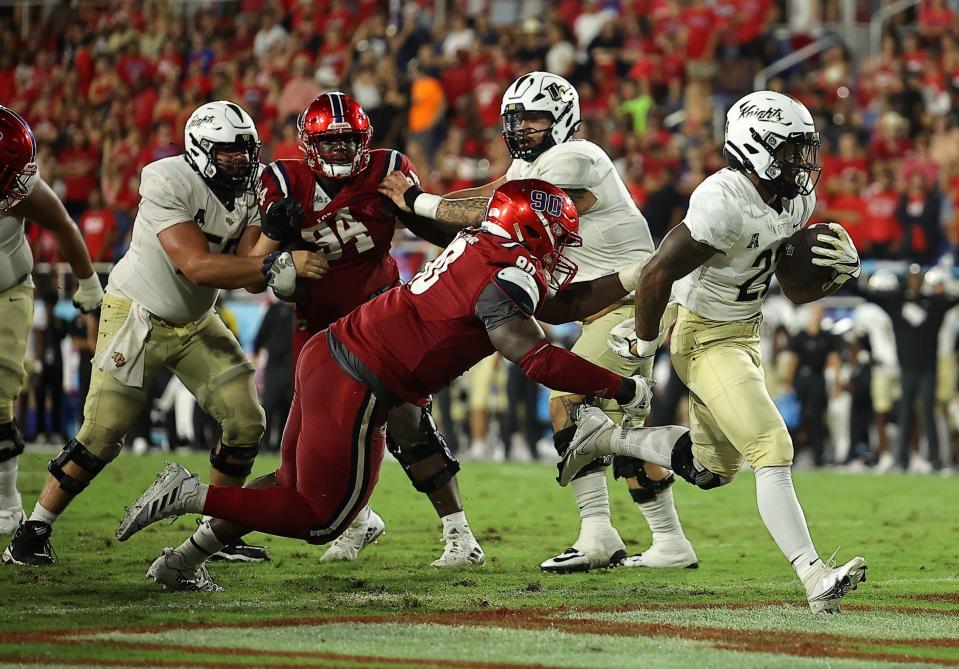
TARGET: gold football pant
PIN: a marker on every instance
(731, 414)
(204, 355)
(16, 318)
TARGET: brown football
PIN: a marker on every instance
(795, 260)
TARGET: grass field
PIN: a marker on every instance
(742, 608)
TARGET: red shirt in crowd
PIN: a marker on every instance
(880, 213)
(97, 226)
(80, 166)
(699, 22)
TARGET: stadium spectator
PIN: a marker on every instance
(98, 225)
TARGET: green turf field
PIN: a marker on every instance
(742, 608)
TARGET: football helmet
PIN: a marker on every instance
(539, 92)
(773, 136)
(335, 135)
(221, 127)
(541, 217)
(18, 158)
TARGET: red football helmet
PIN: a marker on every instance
(329, 126)
(541, 217)
(18, 158)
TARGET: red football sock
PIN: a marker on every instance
(275, 510)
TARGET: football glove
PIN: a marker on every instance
(625, 343)
(838, 253)
(280, 273)
(282, 220)
(89, 295)
(637, 407)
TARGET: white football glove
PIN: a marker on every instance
(280, 273)
(89, 295)
(839, 254)
(638, 406)
(625, 343)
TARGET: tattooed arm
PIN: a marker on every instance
(677, 256)
(462, 208)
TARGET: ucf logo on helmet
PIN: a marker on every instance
(751, 110)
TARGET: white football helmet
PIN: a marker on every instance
(883, 280)
(223, 126)
(773, 136)
(936, 279)
(539, 92)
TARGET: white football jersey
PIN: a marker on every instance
(876, 323)
(948, 332)
(614, 231)
(171, 192)
(16, 260)
(727, 213)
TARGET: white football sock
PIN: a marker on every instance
(660, 514)
(8, 483)
(198, 548)
(42, 515)
(783, 517)
(456, 521)
(592, 497)
(649, 444)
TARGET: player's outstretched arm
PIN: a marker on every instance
(586, 298)
(462, 208)
(678, 255)
(190, 252)
(43, 206)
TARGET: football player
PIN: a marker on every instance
(195, 210)
(328, 201)
(24, 195)
(722, 259)
(540, 114)
(484, 293)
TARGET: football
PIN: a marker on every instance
(795, 262)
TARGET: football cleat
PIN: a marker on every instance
(31, 545)
(590, 441)
(171, 492)
(240, 551)
(168, 571)
(461, 550)
(598, 551)
(831, 584)
(665, 555)
(359, 535)
(11, 516)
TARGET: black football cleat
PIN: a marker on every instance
(31, 546)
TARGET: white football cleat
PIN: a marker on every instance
(590, 441)
(665, 555)
(597, 551)
(832, 583)
(886, 464)
(461, 550)
(12, 516)
(168, 571)
(359, 535)
(173, 493)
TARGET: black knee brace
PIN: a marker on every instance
(222, 453)
(561, 441)
(627, 467)
(11, 442)
(77, 453)
(682, 462)
(429, 442)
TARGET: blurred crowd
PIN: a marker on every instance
(107, 87)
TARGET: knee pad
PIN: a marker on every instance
(626, 467)
(76, 453)
(11, 441)
(234, 405)
(561, 441)
(429, 442)
(684, 464)
(235, 461)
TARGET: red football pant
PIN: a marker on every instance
(330, 459)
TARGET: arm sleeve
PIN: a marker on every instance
(559, 369)
(163, 200)
(714, 218)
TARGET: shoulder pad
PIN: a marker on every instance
(520, 287)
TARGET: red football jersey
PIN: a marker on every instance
(420, 336)
(352, 229)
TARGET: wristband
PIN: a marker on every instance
(646, 349)
(410, 195)
(426, 204)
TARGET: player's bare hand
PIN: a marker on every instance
(309, 265)
(394, 186)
